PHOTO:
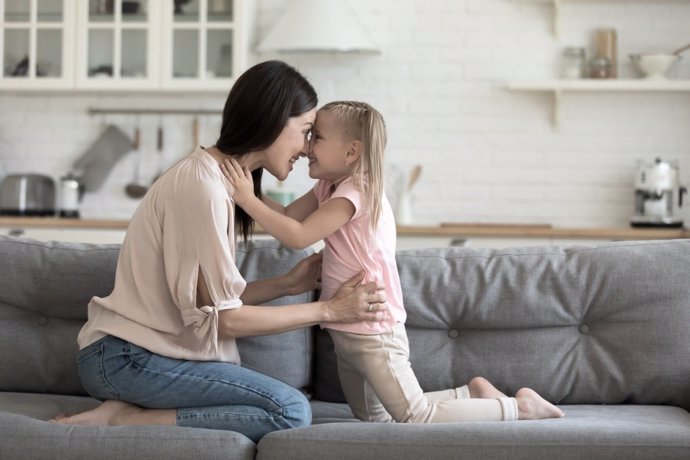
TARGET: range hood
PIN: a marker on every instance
(318, 26)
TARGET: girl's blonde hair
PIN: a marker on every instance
(364, 123)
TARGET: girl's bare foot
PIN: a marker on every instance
(531, 406)
(481, 388)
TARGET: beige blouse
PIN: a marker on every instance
(184, 224)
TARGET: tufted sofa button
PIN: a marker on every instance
(584, 329)
(453, 334)
(42, 321)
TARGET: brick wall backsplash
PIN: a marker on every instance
(488, 154)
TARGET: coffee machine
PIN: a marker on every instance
(658, 195)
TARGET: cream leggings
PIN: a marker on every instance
(380, 386)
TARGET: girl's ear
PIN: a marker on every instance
(354, 152)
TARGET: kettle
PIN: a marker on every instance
(27, 195)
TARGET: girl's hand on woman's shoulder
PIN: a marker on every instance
(240, 178)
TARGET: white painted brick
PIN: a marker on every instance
(488, 154)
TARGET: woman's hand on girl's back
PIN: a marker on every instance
(305, 276)
(354, 302)
(240, 179)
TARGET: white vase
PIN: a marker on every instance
(404, 214)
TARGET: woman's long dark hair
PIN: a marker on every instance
(257, 109)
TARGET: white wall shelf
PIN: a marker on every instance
(557, 4)
(558, 87)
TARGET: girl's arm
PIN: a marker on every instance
(302, 278)
(322, 222)
(298, 209)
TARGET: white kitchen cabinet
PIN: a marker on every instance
(37, 43)
(196, 45)
(116, 44)
(203, 44)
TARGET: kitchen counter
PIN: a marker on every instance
(443, 230)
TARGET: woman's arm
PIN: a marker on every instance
(352, 303)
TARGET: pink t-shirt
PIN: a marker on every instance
(353, 248)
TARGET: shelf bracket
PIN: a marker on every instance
(557, 97)
(557, 18)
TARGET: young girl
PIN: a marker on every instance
(349, 210)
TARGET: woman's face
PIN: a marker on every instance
(291, 144)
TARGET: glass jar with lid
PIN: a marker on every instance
(573, 63)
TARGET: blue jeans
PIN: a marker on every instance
(206, 394)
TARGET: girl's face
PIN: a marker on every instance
(328, 152)
(292, 143)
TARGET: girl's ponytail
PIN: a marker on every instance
(366, 124)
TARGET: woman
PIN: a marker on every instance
(160, 349)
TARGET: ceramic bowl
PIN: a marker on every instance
(654, 65)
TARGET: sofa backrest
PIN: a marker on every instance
(45, 288)
(604, 323)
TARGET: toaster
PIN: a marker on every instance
(27, 195)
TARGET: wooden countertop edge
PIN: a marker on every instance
(456, 230)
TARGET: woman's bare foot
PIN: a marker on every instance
(113, 412)
(531, 406)
(481, 388)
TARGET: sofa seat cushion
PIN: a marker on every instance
(43, 406)
(593, 432)
(25, 433)
(26, 437)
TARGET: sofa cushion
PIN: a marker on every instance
(626, 432)
(23, 437)
(603, 323)
(46, 286)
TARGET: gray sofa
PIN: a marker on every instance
(601, 330)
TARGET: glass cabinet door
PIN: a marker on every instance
(117, 39)
(203, 49)
(36, 37)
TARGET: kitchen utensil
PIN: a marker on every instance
(658, 196)
(414, 176)
(137, 188)
(96, 163)
(27, 195)
(159, 153)
(681, 49)
(195, 133)
(654, 66)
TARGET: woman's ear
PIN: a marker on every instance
(354, 152)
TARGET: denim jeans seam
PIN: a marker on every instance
(104, 379)
(268, 396)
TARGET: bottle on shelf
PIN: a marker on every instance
(604, 64)
(573, 63)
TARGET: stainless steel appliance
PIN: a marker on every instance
(27, 195)
(658, 195)
(70, 195)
